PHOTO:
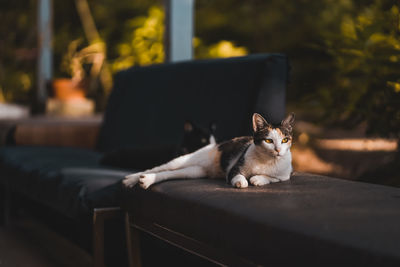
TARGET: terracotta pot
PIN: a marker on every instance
(66, 89)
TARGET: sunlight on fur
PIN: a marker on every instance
(258, 160)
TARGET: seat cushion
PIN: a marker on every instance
(138, 159)
(30, 159)
(309, 219)
(80, 190)
(69, 180)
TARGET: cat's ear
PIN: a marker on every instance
(289, 120)
(213, 127)
(188, 126)
(259, 123)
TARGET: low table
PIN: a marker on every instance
(52, 131)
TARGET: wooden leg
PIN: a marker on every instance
(4, 205)
(133, 244)
(99, 216)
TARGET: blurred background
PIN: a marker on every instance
(344, 55)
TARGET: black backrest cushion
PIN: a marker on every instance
(149, 105)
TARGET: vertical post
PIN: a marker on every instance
(45, 59)
(179, 30)
(4, 204)
(98, 238)
(132, 243)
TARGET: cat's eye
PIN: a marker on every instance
(285, 140)
(269, 141)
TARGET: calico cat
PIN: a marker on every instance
(260, 159)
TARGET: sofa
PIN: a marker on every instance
(145, 113)
(308, 221)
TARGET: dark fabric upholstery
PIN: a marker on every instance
(30, 159)
(139, 158)
(149, 105)
(69, 180)
(312, 220)
(147, 109)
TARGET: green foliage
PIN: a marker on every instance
(18, 47)
(17, 50)
(220, 49)
(365, 84)
(143, 41)
(344, 53)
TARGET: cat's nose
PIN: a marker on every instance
(278, 150)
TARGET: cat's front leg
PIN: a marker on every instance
(285, 174)
(180, 162)
(147, 179)
(284, 178)
(239, 181)
(132, 179)
(259, 180)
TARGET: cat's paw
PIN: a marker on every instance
(259, 180)
(131, 180)
(239, 181)
(273, 180)
(147, 179)
(284, 178)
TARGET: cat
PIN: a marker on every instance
(194, 137)
(260, 159)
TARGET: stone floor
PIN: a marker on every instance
(27, 242)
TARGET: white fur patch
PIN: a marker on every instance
(277, 147)
(239, 181)
(273, 180)
(191, 165)
(147, 179)
(259, 180)
(212, 140)
(285, 178)
(131, 180)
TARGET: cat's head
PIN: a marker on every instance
(276, 140)
(196, 137)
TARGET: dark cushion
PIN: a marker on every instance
(30, 159)
(69, 180)
(310, 219)
(149, 105)
(82, 189)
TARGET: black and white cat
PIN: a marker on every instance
(260, 159)
(196, 137)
